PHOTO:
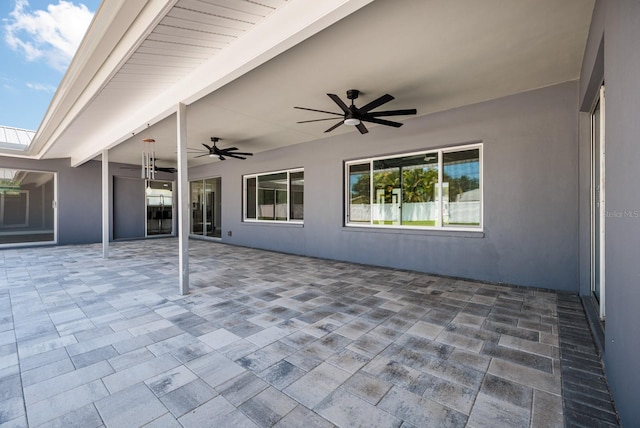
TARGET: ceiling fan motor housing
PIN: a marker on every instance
(354, 116)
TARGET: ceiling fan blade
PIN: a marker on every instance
(317, 120)
(229, 149)
(392, 113)
(319, 111)
(381, 121)
(336, 99)
(375, 103)
(335, 126)
(164, 169)
(363, 129)
(238, 153)
(208, 147)
(234, 156)
(221, 157)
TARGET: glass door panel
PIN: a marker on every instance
(206, 207)
(212, 207)
(159, 199)
(197, 203)
(598, 203)
(27, 206)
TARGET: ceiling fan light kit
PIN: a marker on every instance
(354, 116)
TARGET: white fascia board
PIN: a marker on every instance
(285, 28)
(110, 41)
(9, 153)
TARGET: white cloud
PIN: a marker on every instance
(7, 83)
(52, 35)
(40, 87)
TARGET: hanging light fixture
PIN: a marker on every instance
(148, 157)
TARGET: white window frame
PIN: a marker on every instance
(246, 177)
(439, 226)
(598, 215)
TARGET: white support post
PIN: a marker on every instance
(105, 204)
(183, 199)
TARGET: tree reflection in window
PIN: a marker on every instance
(405, 190)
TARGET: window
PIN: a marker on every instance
(431, 189)
(276, 196)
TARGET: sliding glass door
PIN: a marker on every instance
(159, 202)
(206, 207)
(27, 207)
(598, 213)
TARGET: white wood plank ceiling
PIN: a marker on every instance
(191, 33)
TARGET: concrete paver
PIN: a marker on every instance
(267, 339)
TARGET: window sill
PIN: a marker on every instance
(273, 223)
(456, 233)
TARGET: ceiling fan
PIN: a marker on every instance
(155, 167)
(165, 169)
(354, 116)
(213, 151)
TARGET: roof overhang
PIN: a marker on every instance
(117, 33)
(240, 66)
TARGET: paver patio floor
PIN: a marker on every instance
(267, 339)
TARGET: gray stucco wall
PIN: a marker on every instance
(618, 24)
(530, 194)
(127, 200)
(79, 196)
(128, 218)
(79, 204)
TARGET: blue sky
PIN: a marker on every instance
(37, 41)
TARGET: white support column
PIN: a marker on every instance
(105, 204)
(183, 199)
